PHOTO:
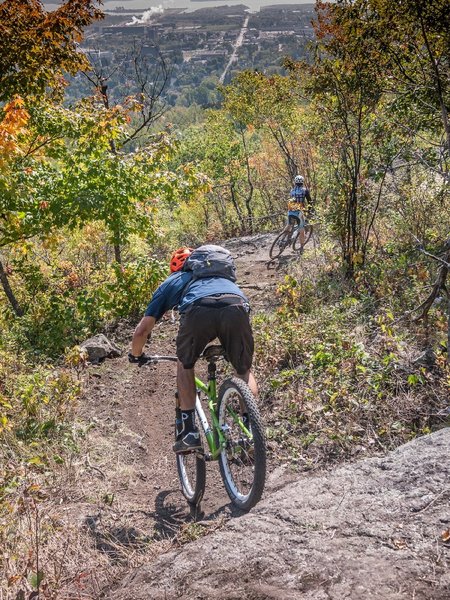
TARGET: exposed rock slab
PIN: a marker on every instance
(370, 530)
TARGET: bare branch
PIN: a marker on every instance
(439, 284)
(151, 80)
(446, 249)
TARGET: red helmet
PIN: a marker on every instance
(178, 259)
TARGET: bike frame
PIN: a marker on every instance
(211, 393)
(235, 441)
(296, 226)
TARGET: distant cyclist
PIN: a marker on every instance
(300, 200)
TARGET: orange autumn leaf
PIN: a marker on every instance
(13, 124)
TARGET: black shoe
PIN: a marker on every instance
(188, 443)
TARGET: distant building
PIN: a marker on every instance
(272, 35)
(148, 50)
(104, 57)
(202, 56)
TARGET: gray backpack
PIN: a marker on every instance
(210, 261)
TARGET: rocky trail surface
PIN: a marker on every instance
(368, 530)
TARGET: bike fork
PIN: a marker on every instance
(204, 424)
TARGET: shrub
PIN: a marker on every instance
(68, 302)
(339, 373)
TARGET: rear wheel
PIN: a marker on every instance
(280, 244)
(242, 461)
(308, 229)
(192, 473)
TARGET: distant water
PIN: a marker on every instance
(129, 5)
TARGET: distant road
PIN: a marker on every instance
(237, 44)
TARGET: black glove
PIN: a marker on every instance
(137, 360)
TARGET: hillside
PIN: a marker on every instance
(366, 530)
(118, 145)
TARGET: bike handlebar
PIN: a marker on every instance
(211, 353)
(158, 358)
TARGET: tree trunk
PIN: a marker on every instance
(248, 199)
(448, 330)
(288, 157)
(439, 88)
(118, 253)
(236, 204)
(9, 293)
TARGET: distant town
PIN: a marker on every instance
(200, 48)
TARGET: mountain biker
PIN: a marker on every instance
(300, 198)
(211, 307)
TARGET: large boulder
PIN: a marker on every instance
(99, 347)
(373, 530)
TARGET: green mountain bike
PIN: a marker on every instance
(234, 436)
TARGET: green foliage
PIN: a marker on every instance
(215, 145)
(408, 42)
(37, 434)
(67, 301)
(125, 292)
(39, 46)
(273, 106)
(75, 176)
(205, 94)
(376, 67)
(255, 99)
(229, 153)
(36, 406)
(338, 368)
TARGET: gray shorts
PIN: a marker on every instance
(223, 317)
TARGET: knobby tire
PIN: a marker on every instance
(192, 474)
(277, 249)
(240, 452)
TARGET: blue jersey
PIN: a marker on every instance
(300, 194)
(175, 291)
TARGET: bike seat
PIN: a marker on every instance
(213, 352)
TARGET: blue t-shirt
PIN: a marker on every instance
(170, 292)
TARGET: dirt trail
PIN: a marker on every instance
(350, 534)
(129, 476)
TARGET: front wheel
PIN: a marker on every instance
(192, 473)
(280, 244)
(242, 461)
(308, 229)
